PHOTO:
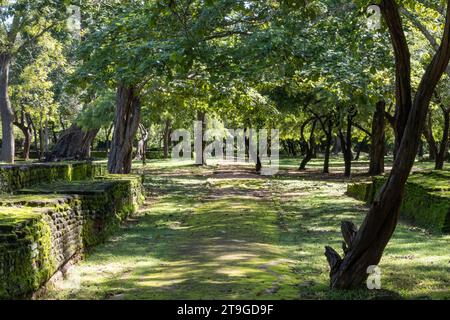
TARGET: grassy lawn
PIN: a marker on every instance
(225, 233)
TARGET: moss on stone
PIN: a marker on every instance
(46, 223)
(426, 201)
(360, 191)
(25, 251)
(16, 177)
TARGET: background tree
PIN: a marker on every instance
(21, 23)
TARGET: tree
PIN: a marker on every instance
(378, 137)
(437, 151)
(76, 141)
(364, 247)
(308, 143)
(33, 90)
(126, 123)
(22, 23)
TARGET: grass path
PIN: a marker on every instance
(228, 234)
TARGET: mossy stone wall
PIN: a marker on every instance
(426, 202)
(16, 177)
(44, 226)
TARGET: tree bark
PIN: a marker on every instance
(26, 144)
(258, 165)
(201, 116)
(24, 125)
(403, 91)
(73, 144)
(346, 142)
(378, 147)
(309, 145)
(443, 146)
(421, 151)
(429, 137)
(365, 247)
(358, 148)
(126, 123)
(6, 112)
(328, 129)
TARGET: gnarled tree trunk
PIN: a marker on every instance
(6, 112)
(365, 247)
(126, 123)
(378, 147)
(73, 144)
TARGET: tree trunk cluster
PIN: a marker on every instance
(364, 247)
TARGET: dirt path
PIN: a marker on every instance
(209, 235)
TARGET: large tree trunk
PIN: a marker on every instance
(309, 145)
(6, 112)
(377, 149)
(443, 146)
(365, 247)
(126, 123)
(73, 144)
(428, 134)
